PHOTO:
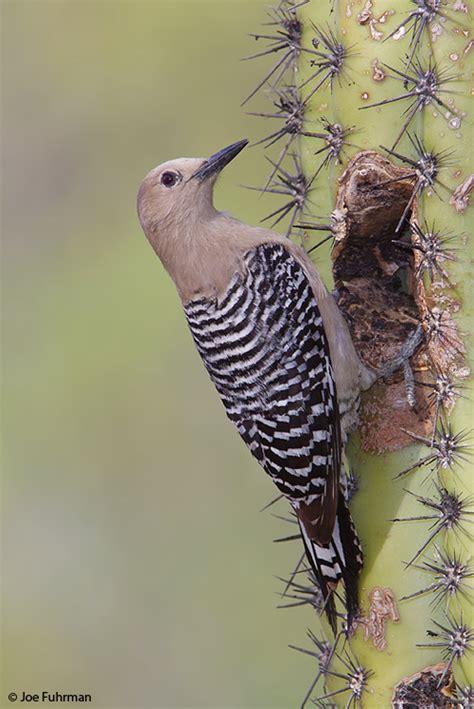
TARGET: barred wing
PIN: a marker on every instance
(266, 351)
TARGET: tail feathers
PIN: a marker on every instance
(340, 559)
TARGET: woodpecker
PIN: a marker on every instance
(276, 347)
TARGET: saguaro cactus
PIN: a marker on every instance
(368, 143)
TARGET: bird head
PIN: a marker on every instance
(179, 191)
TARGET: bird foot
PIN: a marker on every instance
(402, 361)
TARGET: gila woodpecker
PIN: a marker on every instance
(276, 347)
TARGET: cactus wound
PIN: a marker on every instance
(383, 608)
(374, 277)
(425, 689)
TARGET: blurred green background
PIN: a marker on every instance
(137, 566)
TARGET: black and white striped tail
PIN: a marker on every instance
(340, 559)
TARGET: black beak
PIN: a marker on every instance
(219, 160)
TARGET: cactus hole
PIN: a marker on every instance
(376, 289)
(431, 687)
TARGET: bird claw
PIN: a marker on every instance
(402, 361)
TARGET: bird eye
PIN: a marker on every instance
(169, 179)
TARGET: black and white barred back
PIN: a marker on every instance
(266, 351)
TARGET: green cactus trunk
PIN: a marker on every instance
(359, 76)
